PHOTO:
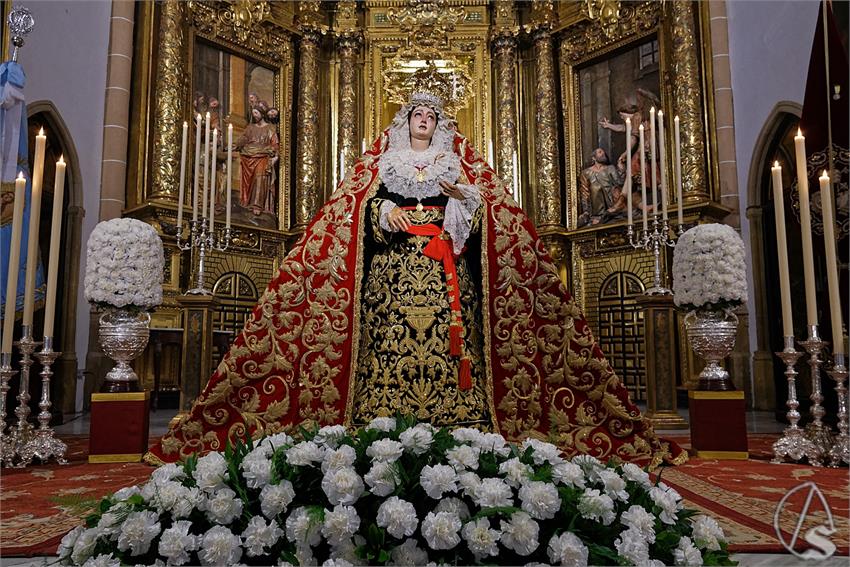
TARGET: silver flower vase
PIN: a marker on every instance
(123, 336)
(712, 337)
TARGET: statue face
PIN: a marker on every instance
(423, 121)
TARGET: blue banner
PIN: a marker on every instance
(14, 158)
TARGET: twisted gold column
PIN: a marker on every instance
(686, 90)
(546, 141)
(504, 48)
(504, 44)
(169, 102)
(349, 48)
(307, 158)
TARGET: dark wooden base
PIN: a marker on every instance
(119, 427)
(718, 424)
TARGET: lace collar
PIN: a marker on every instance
(417, 175)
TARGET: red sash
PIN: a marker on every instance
(440, 249)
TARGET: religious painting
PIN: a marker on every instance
(237, 91)
(618, 86)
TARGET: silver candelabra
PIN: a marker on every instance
(204, 240)
(793, 443)
(840, 451)
(819, 433)
(656, 239)
(22, 444)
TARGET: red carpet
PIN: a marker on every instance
(38, 505)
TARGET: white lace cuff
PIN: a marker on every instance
(458, 219)
(386, 207)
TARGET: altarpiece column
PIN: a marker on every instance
(504, 44)
(349, 39)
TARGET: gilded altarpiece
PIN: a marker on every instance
(248, 46)
(658, 45)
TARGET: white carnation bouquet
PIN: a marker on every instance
(709, 272)
(124, 265)
(396, 492)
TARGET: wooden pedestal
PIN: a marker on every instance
(718, 424)
(119, 427)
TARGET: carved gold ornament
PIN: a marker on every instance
(427, 21)
(426, 71)
(607, 12)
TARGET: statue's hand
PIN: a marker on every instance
(397, 219)
(453, 191)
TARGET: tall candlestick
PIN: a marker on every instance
(14, 262)
(806, 228)
(197, 168)
(182, 176)
(662, 156)
(206, 166)
(55, 239)
(35, 220)
(678, 160)
(642, 176)
(831, 264)
(628, 183)
(782, 248)
(652, 161)
(515, 174)
(213, 179)
(229, 160)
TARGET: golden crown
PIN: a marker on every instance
(438, 82)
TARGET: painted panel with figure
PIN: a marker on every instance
(620, 86)
(241, 92)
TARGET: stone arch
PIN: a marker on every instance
(44, 111)
(764, 393)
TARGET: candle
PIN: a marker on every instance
(831, 264)
(229, 160)
(490, 154)
(642, 175)
(662, 154)
(35, 218)
(515, 174)
(197, 168)
(806, 228)
(182, 177)
(206, 166)
(213, 179)
(782, 247)
(341, 165)
(628, 184)
(14, 261)
(55, 238)
(652, 162)
(363, 146)
(678, 160)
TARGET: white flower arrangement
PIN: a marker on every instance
(124, 265)
(709, 271)
(395, 493)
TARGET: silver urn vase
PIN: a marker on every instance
(123, 336)
(712, 337)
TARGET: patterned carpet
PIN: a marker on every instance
(38, 505)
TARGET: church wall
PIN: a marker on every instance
(65, 61)
(769, 47)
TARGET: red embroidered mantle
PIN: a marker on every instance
(293, 362)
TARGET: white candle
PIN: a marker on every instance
(662, 158)
(35, 221)
(642, 176)
(806, 228)
(628, 183)
(782, 248)
(490, 154)
(515, 173)
(652, 161)
(229, 160)
(182, 177)
(363, 146)
(213, 179)
(206, 166)
(341, 165)
(197, 168)
(678, 164)
(55, 239)
(831, 264)
(14, 261)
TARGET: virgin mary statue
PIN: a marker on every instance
(420, 287)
